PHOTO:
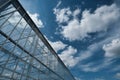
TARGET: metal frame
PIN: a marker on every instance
(33, 26)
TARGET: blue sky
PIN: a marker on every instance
(84, 33)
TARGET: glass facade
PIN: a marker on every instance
(24, 53)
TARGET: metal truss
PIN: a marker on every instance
(25, 54)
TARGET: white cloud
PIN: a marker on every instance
(77, 29)
(76, 12)
(99, 79)
(67, 54)
(117, 75)
(58, 45)
(76, 78)
(62, 15)
(72, 30)
(116, 68)
(58, 4)
(68, 58)
(92, 67)
(16, 17)
(98, 21)
(36, 20)
(88, 52)
(106, 61)
(84, 55)
(112, 49)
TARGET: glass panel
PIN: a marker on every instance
(7, 10)
(7, 73)
(23, 55)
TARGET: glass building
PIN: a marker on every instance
(24, 52)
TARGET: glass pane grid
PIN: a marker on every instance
(23, 55)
